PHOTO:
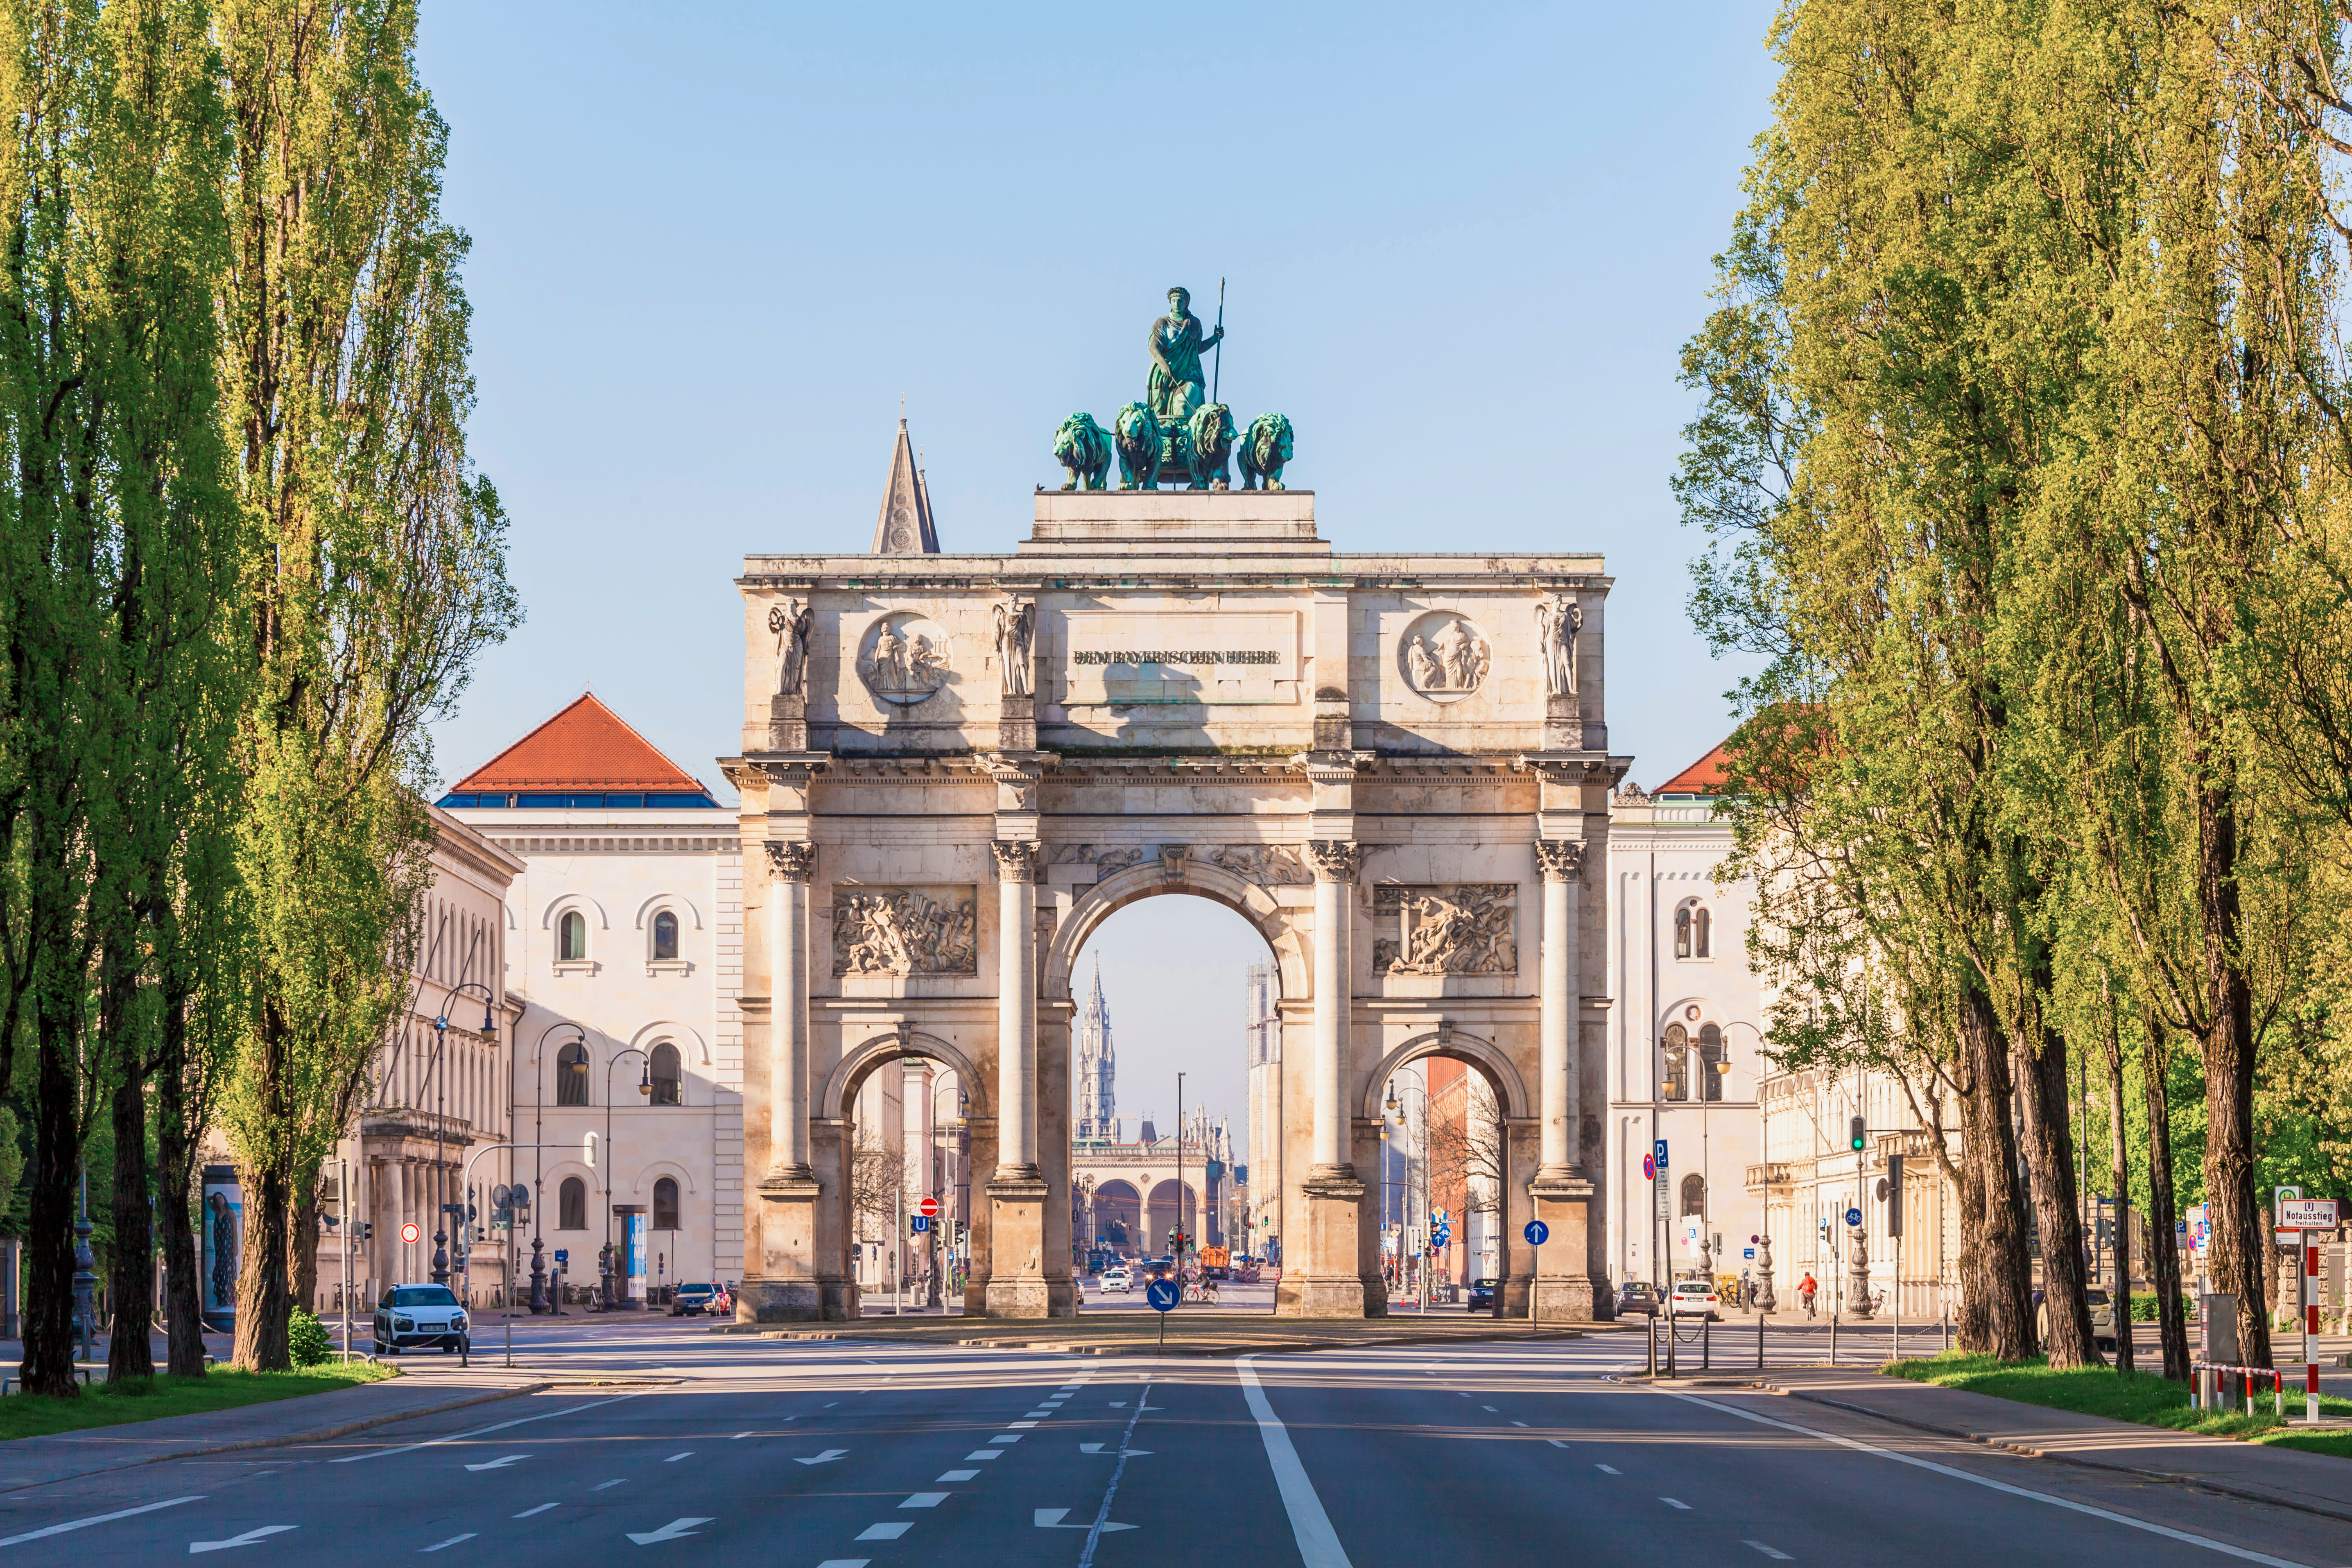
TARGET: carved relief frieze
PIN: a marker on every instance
(1106, 858)
(1470, 928)
(906, 931)
(1267, 865)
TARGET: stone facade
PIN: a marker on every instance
(1164, 693)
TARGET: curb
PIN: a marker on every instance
(1235, 1347)
(321, 1434)
(2195, 1483)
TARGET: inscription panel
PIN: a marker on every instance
(1205, 657)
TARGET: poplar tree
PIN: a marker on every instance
(379, 574)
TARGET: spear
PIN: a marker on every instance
(1219, 363)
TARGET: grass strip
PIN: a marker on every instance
(150, 1399)
(2144, 1397)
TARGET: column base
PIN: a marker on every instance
(1022, 1281)
(795, 1302)
(1330, 1281)
(1031, 1296)
(1329, 1296)
(1564, 1287)
(1570, 1298)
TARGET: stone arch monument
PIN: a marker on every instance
(1395, 766)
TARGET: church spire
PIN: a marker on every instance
(904, 528)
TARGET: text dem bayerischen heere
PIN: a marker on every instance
(1175, 656)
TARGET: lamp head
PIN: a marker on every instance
(646, 1081)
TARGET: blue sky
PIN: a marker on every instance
(715, 245)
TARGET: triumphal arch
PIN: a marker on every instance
(1395, 766)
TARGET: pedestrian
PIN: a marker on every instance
(1805, 1289)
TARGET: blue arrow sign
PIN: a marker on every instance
(1538, 1233)
(1163, 1295)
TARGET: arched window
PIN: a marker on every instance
(572, 1205)
(1694, 1196)
(572, 937)
(1677, 1074)
(666, 1205)
(571, 1075)
(665, 935)
(1682, 932)
(1711, 1059)
(667, 1074)
(1704, 924)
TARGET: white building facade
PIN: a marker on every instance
(625, 944)
(1685, 1037)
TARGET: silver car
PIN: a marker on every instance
(416, 1315)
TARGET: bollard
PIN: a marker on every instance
(1706, 1345)
(2310, 1391)
(1760, 1342)
(2278, 1395)
(1652, 1334)
(1833, 1318)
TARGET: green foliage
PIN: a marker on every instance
(307, 1340)
(2139, 1397)
(150, 1399)
(2144, 1304)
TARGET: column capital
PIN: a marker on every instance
(1335, 859)
(790, 860)
(1016, 858)
(1562, 859)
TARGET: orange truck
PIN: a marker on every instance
(1216, 1263)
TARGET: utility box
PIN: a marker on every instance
(2219, 1313)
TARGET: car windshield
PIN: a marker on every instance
(424, 1296)
(2095, 1298)
(1633, 1285)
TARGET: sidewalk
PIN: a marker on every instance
(2315, 1483)
(310, 1417)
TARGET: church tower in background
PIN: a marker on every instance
(1094, 1074)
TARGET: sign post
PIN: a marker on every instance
(1537, 1233)
(1162, 1295)
(2305, 1217)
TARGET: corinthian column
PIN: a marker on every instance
(1334, 882)
(1017, 1009)
(1562, 1112)
(789, 865)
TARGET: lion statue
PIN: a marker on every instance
(1136, 434)
(1265, 451)
(1084, 452)
(1209, 441)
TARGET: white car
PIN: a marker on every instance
(1118, 1279)
(1695, 1299)
(416, 1315)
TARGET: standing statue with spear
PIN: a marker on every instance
(1176, 386)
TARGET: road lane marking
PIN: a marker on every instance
(926, 1500)
(1959, 1475)
(844, 1562)
(674, 1459)
(960, 1476)
(739, 1436)
(1518, 1423)
(1775, 1556)
(828, 1456)
(101, 1518)
(983, 1454)
(670, 1532)
(1103, 1524)
(498, 1464)
(526, 1513)
(1675, 1502)
(611, 1483)
(1489, 1407)
(1609, 1469)
(451, 1541)
(479, 1431)
(247, 1539)
(1006, 1437)
(1555, 1442)
(1318, 1543)
(889, 1531)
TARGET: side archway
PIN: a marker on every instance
(1152, 879)
(842, 1085)
(1483, 1055)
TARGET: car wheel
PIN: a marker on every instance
(448, 1346)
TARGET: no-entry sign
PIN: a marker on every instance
(928, 1208)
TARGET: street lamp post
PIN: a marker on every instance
(1397, 1111)
(616, 1283)
(441, 1118)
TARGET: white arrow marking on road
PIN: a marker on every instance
(826, 1458)
(98, 1518)
(247, 1539)
(1128, 1453)
(670, 1532)
(499, 1464)
(1051, 1518)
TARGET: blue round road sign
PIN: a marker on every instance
(1163, 1295)
(1854, 1216)
(1537, 1233)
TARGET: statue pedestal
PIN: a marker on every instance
(1017, 724)
(1564, 723)
(788, 722)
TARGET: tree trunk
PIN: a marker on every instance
(265, 1298)
(2270, 1264)
(2050, 1169)
(2119, 1159)
(175, 1159)
(302, 1266)
(48, 1364)
(2227, 1046)
(1996, 1288)
(130, 1353)
(2164, 1245)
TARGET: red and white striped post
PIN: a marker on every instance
(2310, 1328)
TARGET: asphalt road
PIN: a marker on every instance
(823, 1455)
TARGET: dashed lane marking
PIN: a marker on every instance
(960, 1476)
(479, 1431)
(1675, 1502)
(890, 1530)
(1775, 1556)
(674, 1459)
(614, 1482)
(1609, 1469)
(100, 1519)
(983, 1454)
(526, 1513)
(453, 1541)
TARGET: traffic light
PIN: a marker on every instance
(1858, 1139)
(364, 1229)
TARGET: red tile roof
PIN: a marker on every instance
(1704, 777)
(584, 747)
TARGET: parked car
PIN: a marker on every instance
(1695, 1299)
(2103, 1317)
(1637, 1298)
(1480, 1296)
(412, 1315)
(691, 1301)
